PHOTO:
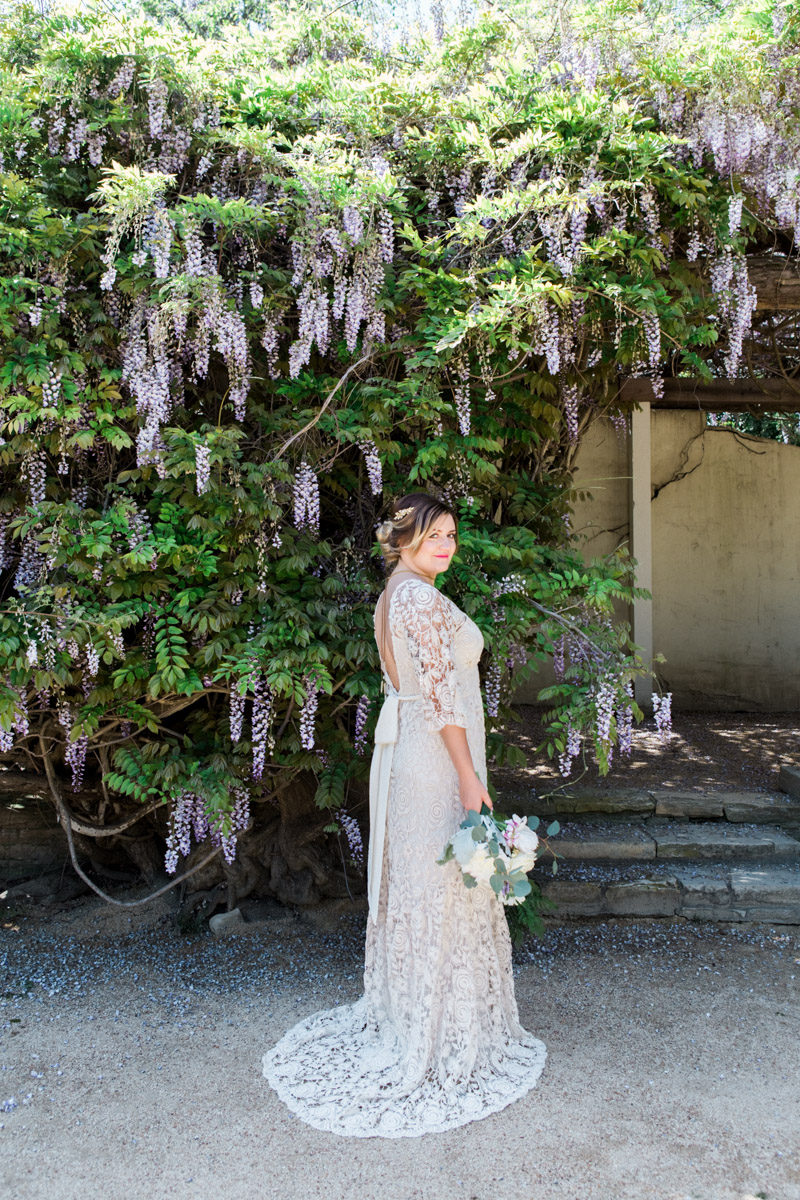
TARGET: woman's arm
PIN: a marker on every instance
(472, 792)
(427, 622)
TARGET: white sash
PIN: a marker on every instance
(379, 775)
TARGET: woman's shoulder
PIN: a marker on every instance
(418, 594)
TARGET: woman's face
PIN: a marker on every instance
(437, 548)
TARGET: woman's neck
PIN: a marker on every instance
(419, 574)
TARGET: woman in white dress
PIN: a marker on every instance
(435, 1040)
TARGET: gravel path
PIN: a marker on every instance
(130, 1065)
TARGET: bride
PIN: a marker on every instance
(435, 1040)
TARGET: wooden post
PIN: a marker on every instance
(642, 543)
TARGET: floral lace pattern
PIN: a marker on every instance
(435, 1040)
(426, 618)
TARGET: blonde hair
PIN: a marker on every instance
(413, 525)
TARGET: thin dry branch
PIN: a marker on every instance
(327, 401)
(65, 818)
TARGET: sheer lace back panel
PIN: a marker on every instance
(432, 636)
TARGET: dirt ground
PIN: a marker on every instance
(707, 751)
(131, 1065)
(130, 1061)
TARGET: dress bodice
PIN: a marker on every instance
(436, 649)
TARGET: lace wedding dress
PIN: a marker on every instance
(435, 1040)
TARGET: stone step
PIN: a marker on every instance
(771, 808)
(720, 839)
(660, 838)
(759, 892)
(789, 780)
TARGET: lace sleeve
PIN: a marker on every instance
(423, 615)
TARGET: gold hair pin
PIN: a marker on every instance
(403, 512)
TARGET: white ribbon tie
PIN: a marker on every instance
(379, 775)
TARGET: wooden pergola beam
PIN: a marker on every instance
(776, 280)
(720, 395)
(775, 277)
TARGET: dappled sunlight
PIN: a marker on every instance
(706, 750)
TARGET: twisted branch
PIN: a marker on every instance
(66, 820)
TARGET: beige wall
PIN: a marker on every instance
(726, 557)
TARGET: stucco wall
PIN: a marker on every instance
(726, 558)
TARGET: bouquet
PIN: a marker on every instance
(495, 852)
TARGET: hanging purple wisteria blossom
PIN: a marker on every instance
(604, 708)
(353, 223)
(373, 465)
(199, 817)
(624, 723)
(34, 473)
(306, 499)
(362, 709)
(92, 659)
(202, 452)
(745, 297)
(386, 233)
(662, 711)
(261, 717)
(559, 647)
(21, 722)
(239, 821)
(271, 343)
(51, 389)
(735, 205)
(517, 657)
(354, 839)
(308, 712)
(236, 713)
(74, 751)
(571, 750)
(546, 337)
(569, 397)
(179, 836)
(461, 394)
(492, 687)
(157, 93)
(232, 343)
(157, 232)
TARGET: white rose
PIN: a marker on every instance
(481, 865)
(526, 840)
(523, 862)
